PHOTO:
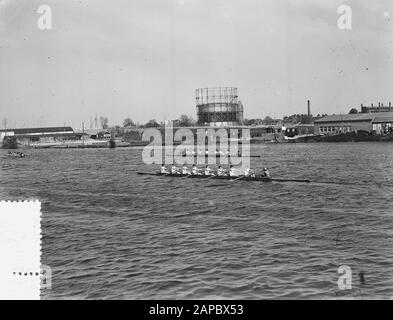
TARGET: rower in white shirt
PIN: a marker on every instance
(195, 170)
(174, 170)
(221, 171)
(163, 169)
(208, 171)
(249, 173)
(185, 170)
(232, 171)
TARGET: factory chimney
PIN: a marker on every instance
(308, 108)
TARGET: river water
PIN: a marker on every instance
(109, 233)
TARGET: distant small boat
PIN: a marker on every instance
(16, 154)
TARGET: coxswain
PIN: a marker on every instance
(266, 173)
(185, 170)
(232, 171)
(174, 170)
(221, 171)
(208, 171)
(163, 169)
(195, 170)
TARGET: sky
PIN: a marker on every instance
(144, 59)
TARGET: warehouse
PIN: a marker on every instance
(31, 136)
(379, 123)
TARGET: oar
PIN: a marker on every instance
(241, 177)
(214, 175)
(291, 180)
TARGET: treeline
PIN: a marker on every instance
(182, 121)
(295, 118)
(188, 121)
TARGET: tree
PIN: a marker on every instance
(186, 121)
(128, 123)
(152, 124)
(353, 111)
(104, 122)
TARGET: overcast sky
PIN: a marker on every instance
(145, 58)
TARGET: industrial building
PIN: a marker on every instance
(218, 107)
(31, 136)
(379, 123)
(376, 109)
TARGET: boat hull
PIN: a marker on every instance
(217, 155)
(202, 176)
(238, 178)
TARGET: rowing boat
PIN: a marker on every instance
(218, 155)
(242, 178)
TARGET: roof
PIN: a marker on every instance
(381, 117)
(40, 130)
(378, 119)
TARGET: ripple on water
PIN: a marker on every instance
(109, 233)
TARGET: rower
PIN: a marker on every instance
(249, 173)
(266, 173)
(208, 171)
(185, 170)
(195, 170)
(220, 171)
(163, 169)
(174, 170)
(232, 171)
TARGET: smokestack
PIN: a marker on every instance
(308, 108)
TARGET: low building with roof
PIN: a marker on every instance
(33, 136)
(380, 123)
